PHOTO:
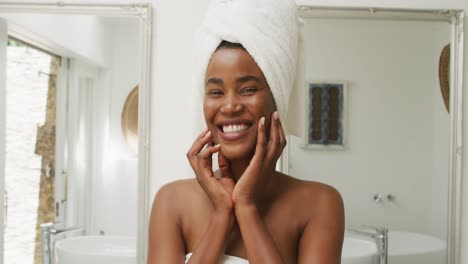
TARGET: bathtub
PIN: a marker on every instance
(96, 250)
(403, 248)
(413, 248)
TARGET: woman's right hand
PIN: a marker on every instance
(218, 190)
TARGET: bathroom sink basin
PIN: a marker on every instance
(96, 250)
(358, 251)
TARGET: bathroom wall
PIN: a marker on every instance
(397, 126)
(111, 190)
(89, 40)
(115, 188)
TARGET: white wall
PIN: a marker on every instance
(174, 23)
(76, 36)
(115, 187)
(393, 98)
(440, 158)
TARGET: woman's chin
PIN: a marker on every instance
(236, 152)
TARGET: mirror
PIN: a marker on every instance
(398, 167)
(69, 70)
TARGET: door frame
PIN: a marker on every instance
(3, 57)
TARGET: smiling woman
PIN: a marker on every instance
(237, 88)
(246, 211)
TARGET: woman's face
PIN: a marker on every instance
(236, 97)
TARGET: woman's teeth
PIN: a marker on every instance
(234, 128)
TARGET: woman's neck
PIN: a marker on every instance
(238, 168)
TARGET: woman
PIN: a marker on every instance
(246, 210)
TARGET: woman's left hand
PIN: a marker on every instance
(263, 163)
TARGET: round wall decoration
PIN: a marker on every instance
(444, 75)
(130, 120)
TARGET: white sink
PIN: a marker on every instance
(96, 250)
(358, 251)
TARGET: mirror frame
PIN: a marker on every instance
(456, 20)
(144, 13)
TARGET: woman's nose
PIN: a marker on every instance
(231, 105)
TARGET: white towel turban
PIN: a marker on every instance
(267, 29)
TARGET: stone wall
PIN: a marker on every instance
(45, 146)
(26, 97)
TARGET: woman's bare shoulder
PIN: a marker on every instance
(313, 192)
(175, 194)
(179, 186)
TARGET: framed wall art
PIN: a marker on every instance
(326, 115)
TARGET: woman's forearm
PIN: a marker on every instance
(213, 242)
(260, 246)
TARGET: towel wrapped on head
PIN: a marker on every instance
(267, 29)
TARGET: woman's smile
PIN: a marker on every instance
(237, 95)
(233, 130)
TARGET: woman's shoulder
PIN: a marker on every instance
(316, 194)
(179, 185)
(176, 193)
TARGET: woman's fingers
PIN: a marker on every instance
(197, 146)
(199, 143)
(283, 140)
(226, 180)
(207, 153)
(204, 160)
(275, 144)
(261, 143)
(224, 166)
(201, 159)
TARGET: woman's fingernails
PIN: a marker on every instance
(208, 134)
(276, 115)
(217, 145)
(262, 121)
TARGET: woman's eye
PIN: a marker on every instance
(215, 92)
(249, 90)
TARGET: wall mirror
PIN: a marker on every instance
(68, 174)
(400, 169)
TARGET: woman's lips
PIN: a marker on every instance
(233, 136)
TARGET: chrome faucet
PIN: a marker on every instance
(54, 231)
(380, 235)
(48, 230)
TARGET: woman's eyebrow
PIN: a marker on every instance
(214, 80)
(248, 78)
